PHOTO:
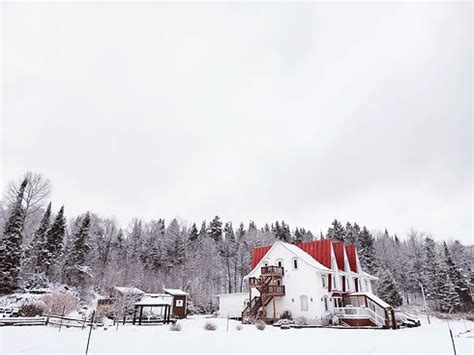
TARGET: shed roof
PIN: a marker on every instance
(129, 290)
(175, 292)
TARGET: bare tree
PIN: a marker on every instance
(37, 192)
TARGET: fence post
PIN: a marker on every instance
(227, 322)
(90, 331)
(62, 315)
(84, 322)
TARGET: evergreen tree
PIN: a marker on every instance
(460, 283)
(193, 233)
(366, 251)
(175, 244)
(39, 245)
(448, 297)
(75, 269)
(388, 289)
(11, 245)
(54, 243)
(215, 229)
(203, 230)
(431, 273)
(336, 231)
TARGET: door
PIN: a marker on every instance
(304, 303)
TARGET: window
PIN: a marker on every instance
(278, 282)
(280, 263)
(265, 263)
(323, 279)
(304, 303)
(326, 307)
(295, 263)
(179, 303)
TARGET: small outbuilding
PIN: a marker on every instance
(180, 302)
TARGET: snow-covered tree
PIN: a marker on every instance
(448, 297)
(336, 231)
(460, 282)
(11, 245)
(54, 243)
(75, 269)
(388, 290)
(351, 233)
(366, 250)
(215, 229)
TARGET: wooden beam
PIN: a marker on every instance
(141, 314)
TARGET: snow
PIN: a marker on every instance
(175, 292)
(432, 339)
(129, 290)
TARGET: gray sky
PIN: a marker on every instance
(302, 112)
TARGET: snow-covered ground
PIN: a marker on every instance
(193, 338)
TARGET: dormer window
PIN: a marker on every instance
(295, 263)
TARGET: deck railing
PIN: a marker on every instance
(272, 270)
(360, 313)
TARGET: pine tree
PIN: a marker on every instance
(75, 270)
(54, 243)
(215, 229)
(336, 231)
(461, 285)
(448, 297)
(366, 251)
(203, 230)
(11, 245)
(431, 273)
(39, 245)
(388, 289)
(193, 233)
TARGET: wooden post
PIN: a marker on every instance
(273, 301)
(451, 335)
(227, 322)
(134, 315)
(84, 322)
(140, 317)
(90, 331)
(62, 315)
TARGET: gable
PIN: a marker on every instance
(258, 254)
(339, 252)
(352, 257)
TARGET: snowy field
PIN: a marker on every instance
(427, 339)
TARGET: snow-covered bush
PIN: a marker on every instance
(210, 326)
(302, 320)
(260, 325)
(335, 320)
(286, 315)
(284, 322)
(175, 327)
(56, 302)
(32, 310)
(325, 321)
(238, 327)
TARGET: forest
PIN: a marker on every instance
(42, 246)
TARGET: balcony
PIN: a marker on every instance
(274, 290)
(272, 271)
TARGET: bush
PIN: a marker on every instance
(56, 302)
(238, 327)
(302, 320)
(260, 325)
(286, 315)
(210, 326)
(175, 327)
(31, 310)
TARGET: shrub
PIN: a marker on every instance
(57, 301)
(210, 326)
(31, 310)
(175, 327)
(260, 325)
(286, 315)
(238, 327)
(302, 320)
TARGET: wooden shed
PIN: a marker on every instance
(179, 307)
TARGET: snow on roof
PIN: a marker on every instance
(372, 297)
(175, 292)
(300, 253)
(150, 299)
(132, 290)
(370, 277)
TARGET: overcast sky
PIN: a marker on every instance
(302, 112)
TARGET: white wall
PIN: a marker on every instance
(232, 304)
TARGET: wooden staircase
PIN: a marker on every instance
(269, 286)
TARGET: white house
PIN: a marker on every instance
(317, 279)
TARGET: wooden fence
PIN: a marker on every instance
(50, 319)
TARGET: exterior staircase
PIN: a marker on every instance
(269, 286)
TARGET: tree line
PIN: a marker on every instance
(39, 247)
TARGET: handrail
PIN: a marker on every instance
(272, 270)
(355, 312)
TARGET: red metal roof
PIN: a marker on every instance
(352, 256)
(339, 252)
(318, 249)
(258, 254)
